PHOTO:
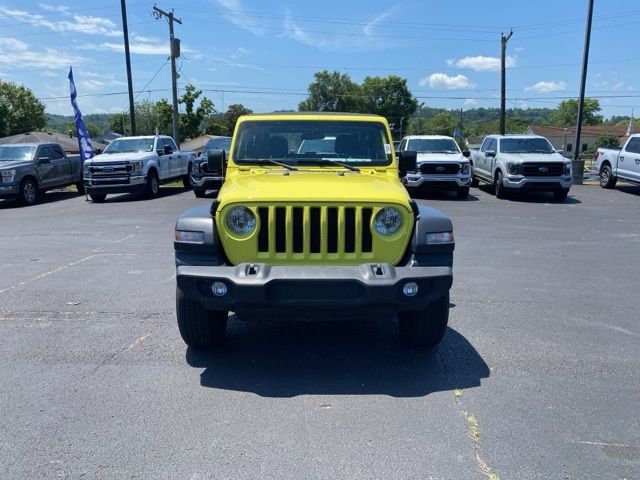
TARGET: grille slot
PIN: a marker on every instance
(440, 168)
(542, 169)
(308, 230)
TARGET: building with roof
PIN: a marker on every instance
(69, 144)
(196, 144)
(563, 138)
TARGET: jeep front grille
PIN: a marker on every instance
(308, 230)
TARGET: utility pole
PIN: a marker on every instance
(127, 56)
(174, 44)
(503, 68)
(577, 176)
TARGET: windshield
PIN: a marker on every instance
(298, 142)
(525, 145)
(433, 145)
(9, 153)
(128, 145)
(218, 144)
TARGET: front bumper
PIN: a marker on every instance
(417, 180)
(122, 184)
(355, 290)
(9, 191)
(549, 184)
(206, 182)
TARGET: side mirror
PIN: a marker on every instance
(490, 153)
(466, 153)
(407, 161)
(168, 150)
(560, 151)
(216, 160)
(44, 160)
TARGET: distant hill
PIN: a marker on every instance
(62, 123)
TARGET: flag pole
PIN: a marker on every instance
(84, 141)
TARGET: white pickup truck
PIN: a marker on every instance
(136, 165)
(518, 163)
(615, 164)
(441, 164)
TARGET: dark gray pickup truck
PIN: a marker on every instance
(28, 170)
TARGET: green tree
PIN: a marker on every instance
(442, 124)
(389, 97)
(332, 92)
(146, 117)
(20, 110)
(164, 113)
(230, 117)
(567, 112)
(119, 123)
(607, 140)
(192, 119)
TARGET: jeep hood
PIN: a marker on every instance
(533, 157)
(310, 186)
(122, 157)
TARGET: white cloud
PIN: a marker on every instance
(237, 15)
(15, 52)
(448, 82)
(368, 29)
(98, 84)
(480, 63)
(470, 102)
(54, 8)
(547, 87)
(80, 23)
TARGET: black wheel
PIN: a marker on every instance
(462, 193)
(199, 193)
(199, 327)
(561, 195)
(475, 182)
(80, 187)
(425, 328)
(98, 197)
(29, 192)
(607, 179)
(498, 188)
(153, 185)
(186, 180)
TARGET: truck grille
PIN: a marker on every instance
(440, 168)
(542, 169)
(308, 230)
(111, 169)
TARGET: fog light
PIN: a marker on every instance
(410, 289)
(219, 289)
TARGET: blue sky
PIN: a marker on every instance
(263, 53)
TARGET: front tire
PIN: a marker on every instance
(498, 187)
(80, 187)
(561, 195)
(199, 328)
(98, 197)
(152, 188)
(475, 182)
(607, 179)
(199, 193)
(29, 192)
(425, 328)
(186, 180)
(463, 193)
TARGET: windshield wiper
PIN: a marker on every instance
(263, 161)
(328, 161)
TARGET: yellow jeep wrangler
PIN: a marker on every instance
(313, 222)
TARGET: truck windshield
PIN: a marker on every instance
(128, 145)
(222, 143)
(432, 145)
(525, 145)
(309, 142)
(10, 152)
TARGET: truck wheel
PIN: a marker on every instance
(80, 187)
(186, 180)
(199, 327)
(425, 328)
(98, 197)
(607, 180)
(463, 193)
(498, 187)
(561, 195)
(29, 192)
(475, 182)
(199, 193)
(153, 185)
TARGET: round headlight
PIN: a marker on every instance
(241, 221)
(388, 221)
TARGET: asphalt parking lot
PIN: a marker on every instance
(538, 376)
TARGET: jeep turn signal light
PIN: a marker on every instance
(439, 238)
(188, 236)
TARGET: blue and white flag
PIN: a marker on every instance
(457, 133)
(84, 142)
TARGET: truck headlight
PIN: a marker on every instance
(7, 175)
(241, 221)
(137, 167)
(512, 168)
(465, 168)
(86, 169)
(439, 238)
(388, 221)
(567, 169)
(196, 168)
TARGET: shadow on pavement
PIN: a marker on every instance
(532, 197)
(628, 188)
(130, 197)
(285, 359)
(441, 195)
(49, 197)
